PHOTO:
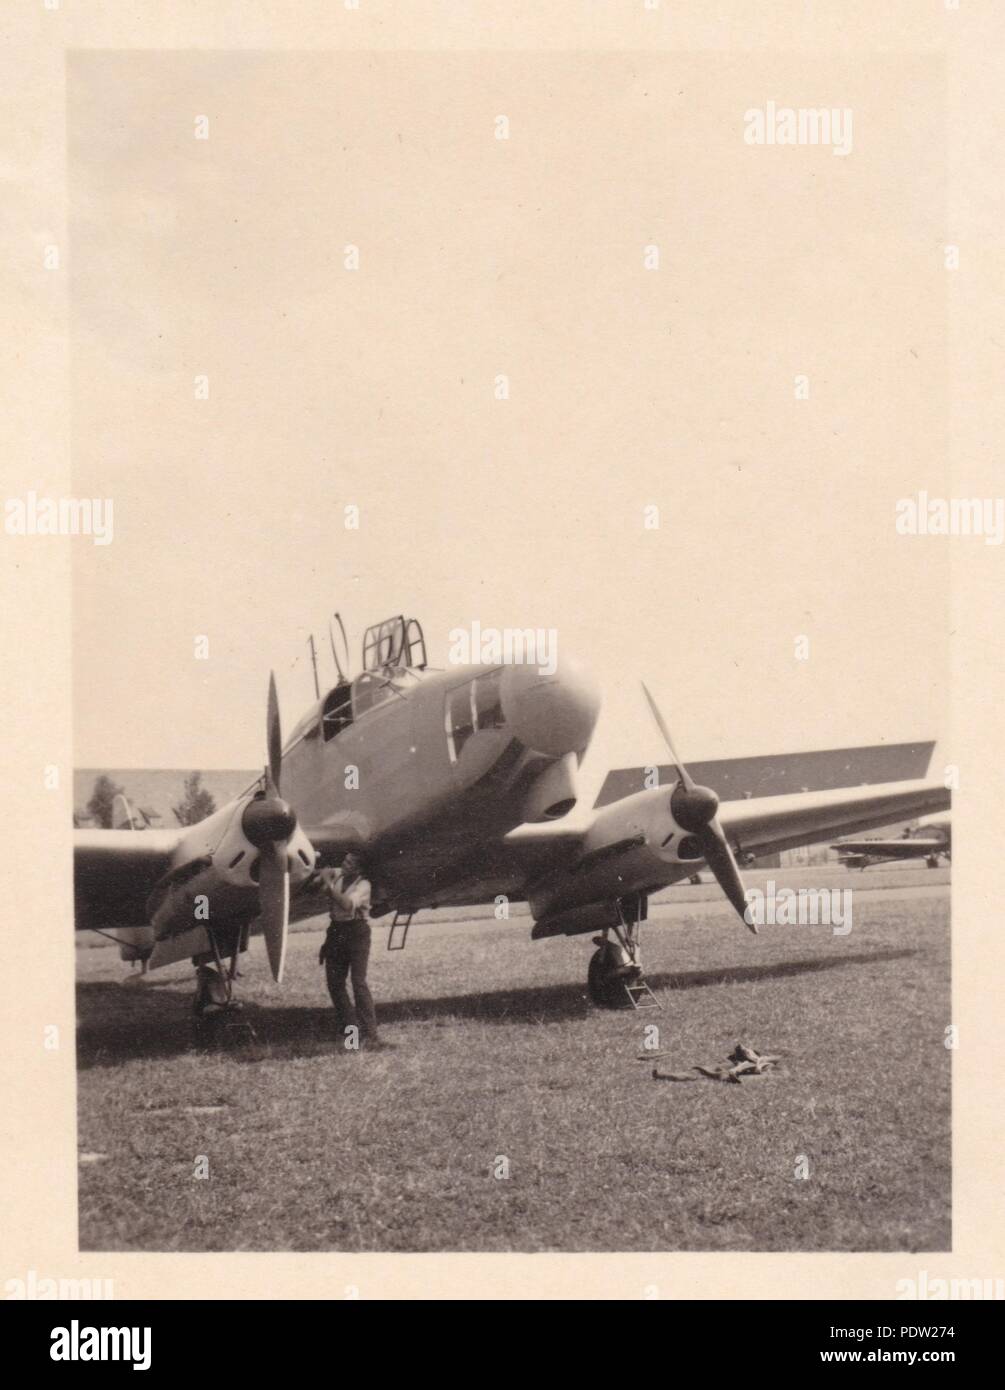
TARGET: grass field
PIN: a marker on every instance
(499, 1054)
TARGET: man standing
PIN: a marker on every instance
(346, 949)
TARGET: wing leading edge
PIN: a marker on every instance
(115, 871)
(773, 823)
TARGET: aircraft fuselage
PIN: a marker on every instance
(421, 769)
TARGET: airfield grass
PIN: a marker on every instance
(498, 1054)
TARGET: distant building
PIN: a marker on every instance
(775, 774)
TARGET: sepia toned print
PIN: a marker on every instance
(436, 327)
(511, 548)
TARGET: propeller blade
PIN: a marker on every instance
(694, 808)
(274, 898)
(720, 859)
(682, 771)
(273, 734)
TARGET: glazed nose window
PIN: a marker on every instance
(460, 718)
(472, 707)
(488, 701)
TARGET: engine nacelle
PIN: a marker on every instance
(627, 849)
(217, 861)
(645, 819)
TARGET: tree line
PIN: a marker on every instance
(195, 805)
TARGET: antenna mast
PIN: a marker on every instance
(314, 665)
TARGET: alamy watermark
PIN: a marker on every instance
(805, 907)
(59, 516)
(76, 1343)
(799, 125)
(952, 516)
(42, 1287)
(507, 646)
(925, 1287)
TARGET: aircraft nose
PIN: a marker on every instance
(552, 713)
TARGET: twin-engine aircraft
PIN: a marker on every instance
(930, 839)
(457, 786)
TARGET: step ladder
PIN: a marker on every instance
(640, 996)
(398, 934)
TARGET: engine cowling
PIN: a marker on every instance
(218, 859)
(627, 849)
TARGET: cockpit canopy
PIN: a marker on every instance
(394, 660)
(351, 700)
(396, 642)
(373, 688)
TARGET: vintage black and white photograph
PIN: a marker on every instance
(508, 542)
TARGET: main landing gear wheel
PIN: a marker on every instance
(614, 978)
(609, 971)
(216, 1011)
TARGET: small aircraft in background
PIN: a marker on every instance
(457, 786)
(930, 839)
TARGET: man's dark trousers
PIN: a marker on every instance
(347, 953)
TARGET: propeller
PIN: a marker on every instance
(695, 809)
(273, 735)
(274, 899)
(268, 822)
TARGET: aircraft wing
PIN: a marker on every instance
(114, 872)
(891, 849)
(774, 823)
(627, 847)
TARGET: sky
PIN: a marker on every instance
(628, 387)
